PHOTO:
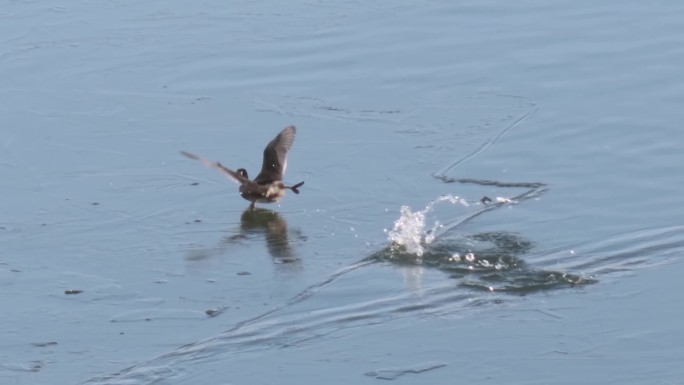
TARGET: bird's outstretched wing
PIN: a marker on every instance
(275, 156)
(226, 171)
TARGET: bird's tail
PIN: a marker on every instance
(295, 188)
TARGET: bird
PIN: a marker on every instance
(267, 187)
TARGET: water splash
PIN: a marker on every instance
(409, 230)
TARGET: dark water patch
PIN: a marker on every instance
(394, 373)
(491, 262)
(43, 344)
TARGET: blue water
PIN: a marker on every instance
(569, 109)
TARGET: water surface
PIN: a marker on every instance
(568, 112)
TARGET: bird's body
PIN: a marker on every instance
(267, 187)
(262, 193)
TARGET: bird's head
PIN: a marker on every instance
(242, 172)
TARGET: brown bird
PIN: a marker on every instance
(267, 187)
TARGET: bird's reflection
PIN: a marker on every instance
(274, 228)
(253, 225)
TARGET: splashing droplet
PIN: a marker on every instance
(409, 229)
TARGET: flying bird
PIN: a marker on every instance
(267, 187)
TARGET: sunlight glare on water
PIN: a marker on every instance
(409, 229)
